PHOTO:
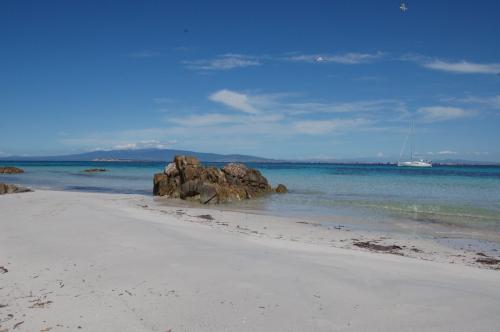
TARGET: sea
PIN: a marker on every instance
(446, 202)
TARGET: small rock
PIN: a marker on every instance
(281, 189)
(12, 189)
(10, 170)
(95, 170)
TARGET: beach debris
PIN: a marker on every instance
(378, 247)
(206, 217)
(487, 260)
(3, 270)
(3, 305)
(95, 170)
(12, 189)
(10, 170)
(17, 325)
(38, 303)
(308, 223)
(9, 317)
(187, 179)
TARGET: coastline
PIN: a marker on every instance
(119, 262)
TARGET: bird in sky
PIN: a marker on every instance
(403, 7)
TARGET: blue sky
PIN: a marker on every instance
(315, 79)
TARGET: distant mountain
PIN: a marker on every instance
(142, 155)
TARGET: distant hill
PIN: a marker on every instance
(142, 155)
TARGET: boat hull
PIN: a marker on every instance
(414, 164)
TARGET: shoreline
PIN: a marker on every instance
(125, 262)
(463, 240)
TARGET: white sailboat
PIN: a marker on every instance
(412, 162)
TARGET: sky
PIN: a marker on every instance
(282, 79)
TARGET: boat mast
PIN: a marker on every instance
(412, 128)
(403, 148)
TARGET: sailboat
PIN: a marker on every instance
(412, 162)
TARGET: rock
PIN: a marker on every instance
(281, 189)
(10, 170)
(186, 178)
(171, 170)
(12, 189)
(165, 185)
(95, 170)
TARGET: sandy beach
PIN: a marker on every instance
(109, 262)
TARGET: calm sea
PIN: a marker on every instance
(378, 196)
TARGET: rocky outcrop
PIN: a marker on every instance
(12, 189)
(186, 178)
(10, 170)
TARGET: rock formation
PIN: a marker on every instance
(12, 189)
(281, 189)
(10, 170)
(95, 170)
(185, 178)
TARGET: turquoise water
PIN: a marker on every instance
(466, 196)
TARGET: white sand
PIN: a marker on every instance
(124, 263)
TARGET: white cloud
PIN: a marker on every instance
(319, 127)
(463, 67)
(283, 103)
(346, 59)
(238, 101)
(224, 62)
(443, 113)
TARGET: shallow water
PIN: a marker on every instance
(377, 196)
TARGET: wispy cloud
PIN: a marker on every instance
(124, 139)
(235, 100)
(368, 106)
(143, 54)
(459, 67)
(444, 113)
(463, 67)
(346, 58)
(492, 102)
(319, 127)
(223, 62)
(148, 144)
(204, 120)
(446, 152)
